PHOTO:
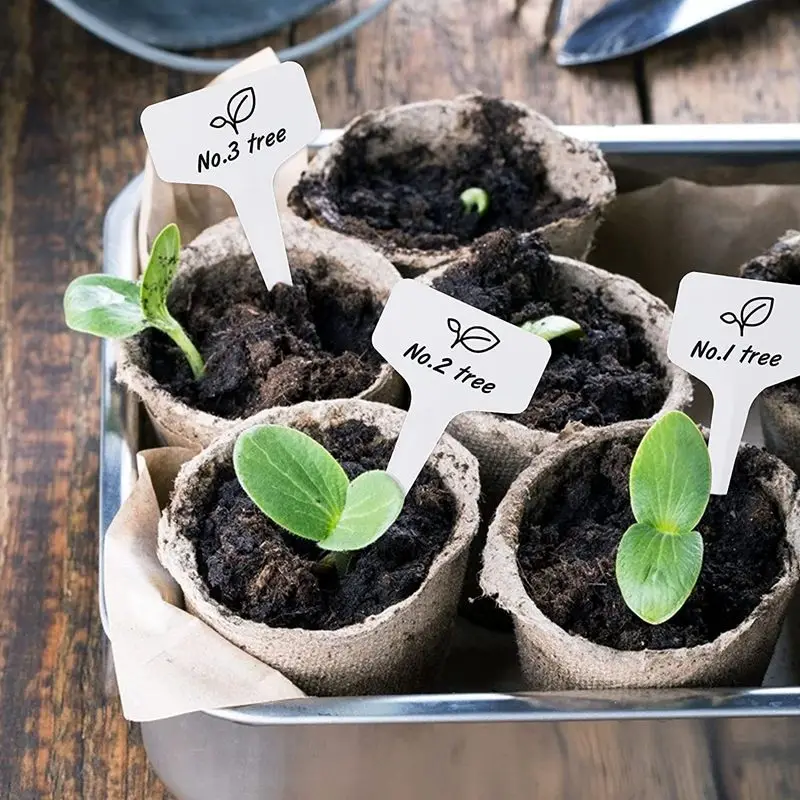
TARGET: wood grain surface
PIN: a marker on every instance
(70, 140)
(741, 67)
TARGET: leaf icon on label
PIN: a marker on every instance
(454, 326)
(757, 311)
(754, 312)
(241, 107)
(476, 339)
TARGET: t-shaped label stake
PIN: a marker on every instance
(738, 336)
(455, 358)
(234, 136)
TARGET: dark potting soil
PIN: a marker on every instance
(308, 341)
(779, 264)
(567, 551)
(608, 376)
(412, 198)
(266, 574)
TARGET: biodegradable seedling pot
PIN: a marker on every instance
(513, 276)
(780, 404)
(395, 177)
(550, 554)
(193, 413)
(398, 648)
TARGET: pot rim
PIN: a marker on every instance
(680, 389)
(449, 452)
(595, 182)
(503, 535)
(137, 379)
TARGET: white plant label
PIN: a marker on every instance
(235, 135)
(738, 336)
(455, 358)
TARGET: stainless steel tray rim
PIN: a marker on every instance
(496, 707)
(117, 464)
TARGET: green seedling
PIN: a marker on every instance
(659, 558)
(300, 486)
(554, 326)
(475, 200)
(115, 308)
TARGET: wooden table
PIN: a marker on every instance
(70, 140)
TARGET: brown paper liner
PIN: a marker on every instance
(194, 207)
(399, 650)
(224, 246)
(553, 659)
(504, 447)
(657, 235)
(574, 169)
(168, 662)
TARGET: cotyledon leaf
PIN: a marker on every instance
(293, 479)
(105, 306)
(374, 501)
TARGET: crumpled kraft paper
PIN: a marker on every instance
(168, 662)
(657, 235)
(194, 208)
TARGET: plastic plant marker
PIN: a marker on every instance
(300, 486)
(455, 358)
(235, 135)
(659, 558)
(738, 336)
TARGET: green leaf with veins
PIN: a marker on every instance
(670, 478)
(552, 327)
(660, 557)
(374, 501)
(300, 486)
(104, 306)
(293, 479)
(657, 571)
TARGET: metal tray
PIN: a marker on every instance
(248, 752)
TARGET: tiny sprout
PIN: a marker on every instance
(475, 200)
(300, 486)
(115, 308)
(552, 327)
(659, 558)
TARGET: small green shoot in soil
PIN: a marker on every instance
(554, 326)
(300, 486)
(116, 308)
(659, 558)
(475, 200)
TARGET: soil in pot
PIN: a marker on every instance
(413, 198)
(262, 573)
(779, 264)
(567, 550)
(308, 341)
(608, 376)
